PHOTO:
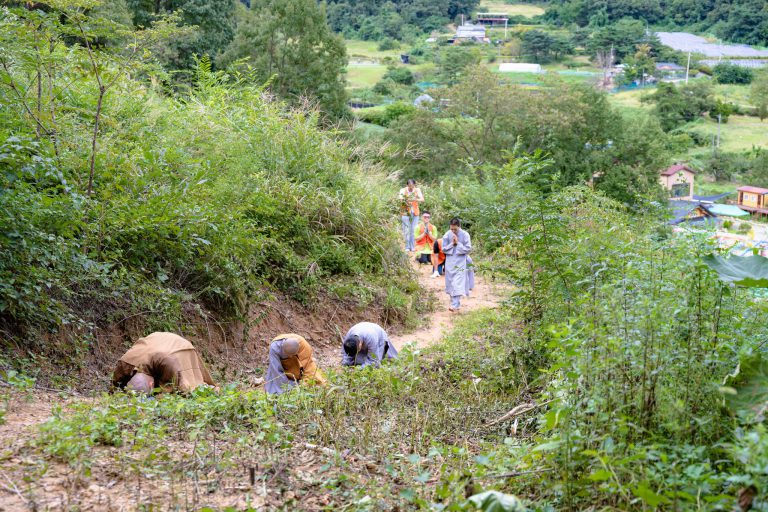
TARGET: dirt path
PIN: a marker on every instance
(485, 295)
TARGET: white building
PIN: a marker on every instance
(519, 67)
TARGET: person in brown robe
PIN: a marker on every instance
(161, 360)
(291, 362)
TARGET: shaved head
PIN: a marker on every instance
(141, 383)
(289, 348)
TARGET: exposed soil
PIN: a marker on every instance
(439, 322)
(28, 482)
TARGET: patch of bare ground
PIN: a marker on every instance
(182, 474)
(436, 324)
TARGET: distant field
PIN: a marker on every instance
(527, 10)
(359, 76)
(536, 78)
(740, 133)
(369, 49)
(630, 99)
(738, 94)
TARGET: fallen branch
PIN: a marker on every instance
(520, 409)
(13, 489)
(322, 449)
(517, 473)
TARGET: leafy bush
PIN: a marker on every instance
(727, 73)
(213, 196)
(388, 44)
(399, 75)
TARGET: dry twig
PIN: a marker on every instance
(518, 410)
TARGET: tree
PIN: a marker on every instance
(758, 94)
(453, 60)
(289, 42)
(640, 65)
(726, 73)
(678, 105)
(623, 37)
(399, 75)
(214, 20)
(538, 45)
(482, 119)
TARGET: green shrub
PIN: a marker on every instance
(727, 73)
(388, 44)
(399, 75)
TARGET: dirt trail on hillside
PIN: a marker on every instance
(441, 321)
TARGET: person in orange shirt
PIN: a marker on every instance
(425, 235)
(438, 258)
(410, 196)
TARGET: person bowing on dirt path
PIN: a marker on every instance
(290, 363)
(161, 360)
(366, 344)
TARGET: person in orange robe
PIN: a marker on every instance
(161, 360)
(290, 363)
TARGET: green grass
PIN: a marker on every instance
(369, 50)
(738, 94)
(630, 100)
(740, 133)
(527, 10)
(366, 75)
(711, 188)
(535, 78)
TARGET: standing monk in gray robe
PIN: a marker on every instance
(456, 246)
(366, 343)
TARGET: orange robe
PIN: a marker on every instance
(284, 373)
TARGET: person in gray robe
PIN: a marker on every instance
(470, 276)
(366, 343)
(291, 362)
(459, 278)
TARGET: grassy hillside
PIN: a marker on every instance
(215, 199)
(527, 10)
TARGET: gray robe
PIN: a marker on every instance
(458, 280)
(376, 346)
(470, 275)
(276, 381)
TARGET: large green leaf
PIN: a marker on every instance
(494, 501)
(748, 271)
(747, 388)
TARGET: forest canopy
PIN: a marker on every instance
(740, 21)
(397, 19)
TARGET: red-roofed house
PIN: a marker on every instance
(678, 179)
(753, 199)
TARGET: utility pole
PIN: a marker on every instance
(506, 21)
(687, 68)
(719, 116)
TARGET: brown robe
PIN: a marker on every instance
(302, 366)
(170, 359)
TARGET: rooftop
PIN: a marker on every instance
(469, 30)
(754, 190)
(676, 169)
(669, 66)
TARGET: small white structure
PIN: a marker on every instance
(519, 67)
(423, 100)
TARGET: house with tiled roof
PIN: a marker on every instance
(678, 180)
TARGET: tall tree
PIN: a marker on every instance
(290, 43)
(215, 21)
